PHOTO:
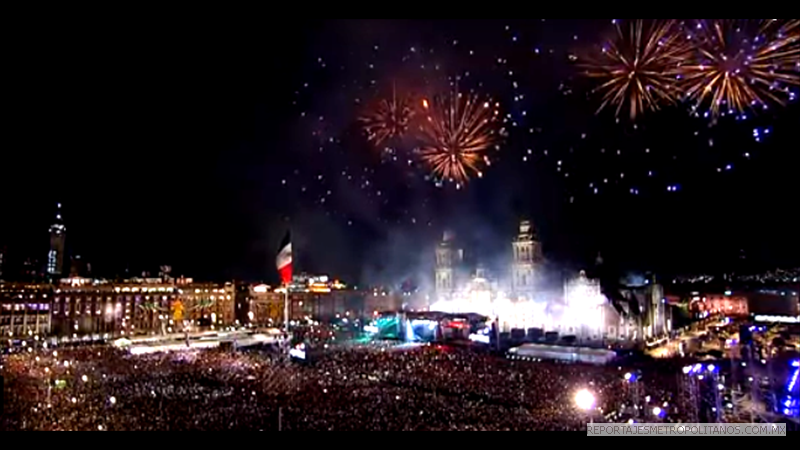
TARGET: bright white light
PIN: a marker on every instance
(585, 400)
(481, 339)
(657, 411)
(778, 319)
(297, 353)
(113, 400)
(85, 379)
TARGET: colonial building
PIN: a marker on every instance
(24, 310)
(528, 259)
(525, 304)
(79, 307)
(449, 262)
(707, 305)
(266, 307)
(587, 315)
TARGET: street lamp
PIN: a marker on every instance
(658, 412)
(585, 401)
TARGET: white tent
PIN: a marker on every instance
(122, 343)
(566, 354)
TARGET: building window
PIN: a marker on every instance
(52, 257)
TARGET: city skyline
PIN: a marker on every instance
(401, 225)
(424, 275)
(209, 183)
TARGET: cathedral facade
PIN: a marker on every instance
(524, 300)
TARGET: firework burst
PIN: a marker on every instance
(638, 68)
(740, 64)
(457, 131)
(389, 119)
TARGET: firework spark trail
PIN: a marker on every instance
(389, 119)
(639, 67)
(457, 132)
(742, 63)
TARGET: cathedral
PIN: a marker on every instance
(524, 299)
(528, 263)
(449, 266)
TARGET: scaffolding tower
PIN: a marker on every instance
(689, 388)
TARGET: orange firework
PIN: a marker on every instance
(742, 63)
(638, 68)
(389, 119)
(457, 132)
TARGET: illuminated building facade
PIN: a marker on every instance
(528, 259)
(58, 236)
(449, 262)
(321, 284)
(266, 306)
(525, 306)
(24, 310)
(586, 310)
(712, 305)
(144, 306)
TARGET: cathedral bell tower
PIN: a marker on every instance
(527, 260)
(448, 258)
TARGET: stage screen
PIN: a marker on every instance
(422, 331)
(386, 328)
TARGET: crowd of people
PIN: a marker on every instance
(427, 388)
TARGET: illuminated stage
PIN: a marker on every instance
(430, 327)
(582, 311)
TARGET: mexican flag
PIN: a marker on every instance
(284, 260)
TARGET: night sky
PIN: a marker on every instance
(199, 148)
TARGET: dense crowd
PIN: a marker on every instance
(429, 388)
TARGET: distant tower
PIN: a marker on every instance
(58, 236)
(527, 259)
(165, 273)
(448, 258)
(76, 269)
(2, 260)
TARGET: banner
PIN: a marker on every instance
(665, 430)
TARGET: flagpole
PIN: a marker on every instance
(288, 343)
(286, 309)
(286, 293)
